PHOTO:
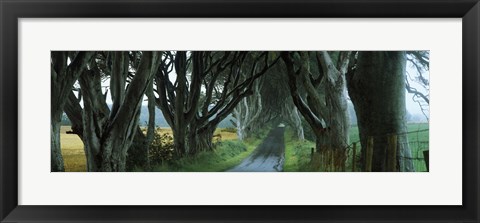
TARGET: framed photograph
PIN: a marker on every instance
(239, 111)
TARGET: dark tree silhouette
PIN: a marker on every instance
(376, 85)
(65, 69)
(325, 105)
(107, 135)
(227, 78)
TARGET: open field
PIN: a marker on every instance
(72, 151)
(74, 155)
(418, 138)
(297, 154)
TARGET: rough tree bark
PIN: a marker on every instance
(200, 138)
(337, 117)
(193, 118)
(290, 112)
(63, 76)
(107, 136)
(326, 113)
(248, 111)
(312, 109)
(277, 104)
(137, 154)
(74, 114)
(236, 86)
(377, 89)
(151, 122)
(178, 102)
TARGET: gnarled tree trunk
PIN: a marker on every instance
(151, 123)
(226, 82)
(337, 119)
(200, 139)
(290, 112)
(326, 113)
(63, 77)
(248, 111)
(377, 90)
(108, 135)
(56, 152)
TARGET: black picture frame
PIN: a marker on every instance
(11, 11)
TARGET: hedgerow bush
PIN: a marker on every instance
(161, 149)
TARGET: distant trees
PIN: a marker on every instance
(248, 111)
(204, 89)
(292, 116)
(278, 103)
(269, 105)
(196, 90)
(376, 86)
(321, 75)
(309, 104)
(226, 77)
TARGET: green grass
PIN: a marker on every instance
(230, 152)
(411, 127)
(227, 155)
(418, 143)
(297, 153)
(418, 137)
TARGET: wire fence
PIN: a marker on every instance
(395, 155)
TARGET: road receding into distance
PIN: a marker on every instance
(269, 156)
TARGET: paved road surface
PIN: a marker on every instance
(268, 156)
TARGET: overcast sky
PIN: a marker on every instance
(412, 107)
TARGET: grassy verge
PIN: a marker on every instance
(229, 152)
(297, 153)
(418, 141)
(227, 155)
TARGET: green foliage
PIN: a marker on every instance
(257, 134)
(136, 155)
(418, 141)
(297, 153)
(161, 149)
(228, 154)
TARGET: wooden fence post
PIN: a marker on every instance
(354, 156)
(392, 153)
(369, 155)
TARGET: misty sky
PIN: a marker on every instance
(412, 107)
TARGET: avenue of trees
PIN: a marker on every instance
(102, 92)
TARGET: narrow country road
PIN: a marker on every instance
(268, 156)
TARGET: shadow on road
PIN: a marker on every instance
(269, 156)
